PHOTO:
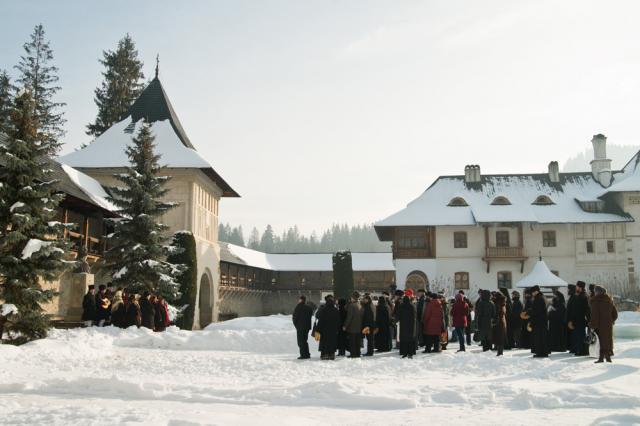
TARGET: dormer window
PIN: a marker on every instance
(543, 200)
(501, 201)
(594, 206)
(458, 202)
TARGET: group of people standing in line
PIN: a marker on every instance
(123, 308)
(497, 321)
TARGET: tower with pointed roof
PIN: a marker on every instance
(195, 184)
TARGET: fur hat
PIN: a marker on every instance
(535, 288)
(581, 284)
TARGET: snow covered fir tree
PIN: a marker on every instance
(31, 244)
(137, 258)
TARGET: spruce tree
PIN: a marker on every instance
(267, 242)
(122, 83)
(185, 254)
(31, 244)
(39, 76)
(5, 101)
(137, 257)
(254, 239)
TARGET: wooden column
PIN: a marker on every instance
(85, 228)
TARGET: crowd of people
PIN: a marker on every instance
(123, 308)
(497, 320)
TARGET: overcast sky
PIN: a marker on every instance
(331, 111)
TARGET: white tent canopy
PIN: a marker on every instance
(541, 276)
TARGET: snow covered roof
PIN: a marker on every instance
(90, 187)
(541, 276)
(172, 143)
(432, 207)
(76, 184)
(628, 180)
(310, 262)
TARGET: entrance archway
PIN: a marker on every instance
(416, 280)
(205, 302)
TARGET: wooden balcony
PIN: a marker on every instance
(504, 254)
(411, 253)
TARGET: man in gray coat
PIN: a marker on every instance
(353, 325)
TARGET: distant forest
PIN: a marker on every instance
(358, 238)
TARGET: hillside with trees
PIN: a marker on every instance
(358, 238)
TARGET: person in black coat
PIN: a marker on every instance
(132, 312)
(571, 293)
(407, 320)
(420, 306)
(539, 323)
(103, 306)
(578, 316)
(508, 343)
(485, 317)
(383, 325)
(89, 307)
(516, 321)
(557, 323)
(525, 334)
(368, 324)
(342, 335)
(147, 311)
(302, 316)
(329, 326)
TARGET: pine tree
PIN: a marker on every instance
(186, 255)
(39, 77)
(5, 101)
(254, 239)
(267, 242)
(237, 237)
(137, 257)
(31, 244)
(122, 84)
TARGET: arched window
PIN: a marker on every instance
(416, 280)
(543, 200)
(458, 202)
(501, 201)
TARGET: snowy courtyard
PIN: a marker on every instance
(245, 371)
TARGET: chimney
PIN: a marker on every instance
(554, 172)
(472, 174)
(601, 165)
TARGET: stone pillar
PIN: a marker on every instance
(73, 296)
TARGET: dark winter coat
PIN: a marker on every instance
(485, 314)
(433, 321)
(353, 323)
(103, 307)
(539, 320)
(147, 313)
(603, 315)
(460, 312)
(368, 317)
(516, 310)
(302, 316)
(407, 320)
(420, 306)
(558, 324)
(500, 322)
(578, 311)
(159, 317)
(118, 315)
(383, 324)
(342, 335)
(132, 314)
(328, 326)
(89, 307)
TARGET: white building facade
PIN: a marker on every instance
(473, 231)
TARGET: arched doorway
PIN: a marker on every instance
(416, 280)
(205, 302)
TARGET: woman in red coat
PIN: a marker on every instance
(459, 315)
(433, 324)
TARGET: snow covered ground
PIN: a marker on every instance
(244, 372)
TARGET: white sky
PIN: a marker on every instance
(327, 111)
